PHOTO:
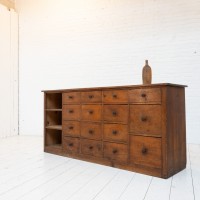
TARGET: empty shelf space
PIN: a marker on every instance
(57, 127)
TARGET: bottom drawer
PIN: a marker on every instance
(91, 147)
(71, 145)
(145, 151)
(116, 152)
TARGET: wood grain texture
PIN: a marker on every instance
(141, 129)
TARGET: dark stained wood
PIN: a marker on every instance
(112, 96)
(91, 147)
(115, 132)
(139, 128)
(145, 119)
(145, 151)
(91, 97)
(91, 130)
(149, 95)
(91, 112)
(71, 128)
(115, 113)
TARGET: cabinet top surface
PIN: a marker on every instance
(117, 87)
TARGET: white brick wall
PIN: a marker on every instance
(86, 43)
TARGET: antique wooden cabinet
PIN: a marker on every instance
(139, 127)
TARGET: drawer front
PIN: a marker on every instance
(91, 147)
(115, 113)
(71, 112)
(116, 132)
(71, 128)
(145, 119)
(116, 152)
(71, 145)
(91, 97)
(91, 130)
(150, 95)
(71, 97)
(91, 112)
(145, 151)
(112, 96)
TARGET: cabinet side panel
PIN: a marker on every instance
(176, 130)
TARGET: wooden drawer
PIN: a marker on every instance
(115, 113)
(116, 152)
(71, 128)
(91, 97)
(91, 147)
(145, 119)
(71, 97)
(112, 96)
(91, 112)
(71, 112)
(145, 151)
(116, 132)
(91, 130)
(71, 145)
(149, 95)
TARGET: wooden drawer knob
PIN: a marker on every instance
(114, 132)
(91, 132)
(115, 151)
(71, 144)
(114, 96)
(90, 147)
(144, 118)
(144, 150)
(71, 127)
(71, 111)
(91, 111)
(90, 96)
(143, 95)
(114, 113)
(70, 97)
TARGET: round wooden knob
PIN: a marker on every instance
(114, 132)
(114, 96)
(91, 131)
(90, 96)
(91, 111)
(71, 127)
(70, 97)
(71, 111)
(143, 95)
(90, 147)
(115, 151)
(144, 118)
(71, 144)
(114, 113)
(144, 150)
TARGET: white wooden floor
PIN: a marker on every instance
(27, 173)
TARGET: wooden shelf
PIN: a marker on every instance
(57, 127)
(54, 109)
(54, 146)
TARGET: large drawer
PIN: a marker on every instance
(148, 95)
(91, 130)
(91, 112)
(91, 97)
(116, 152)
(115, 113)
(115, 96)
(145, 119)
(145, 151)
(116, 132)
(71, 112)
(71, 128)
(71, 97)
(91, 147)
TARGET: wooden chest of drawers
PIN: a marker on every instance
(139, 128)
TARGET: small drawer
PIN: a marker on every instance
(91, 147)
(91, 130)
(71, 97)
(112, 96)
(91, 97)
(71, 128)
(71, 112)
(149, 95)
(115, 113)
(116, 152)
(116, 132)
(145, 119)
(71, 145)
(91, 112)
(145, 151)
